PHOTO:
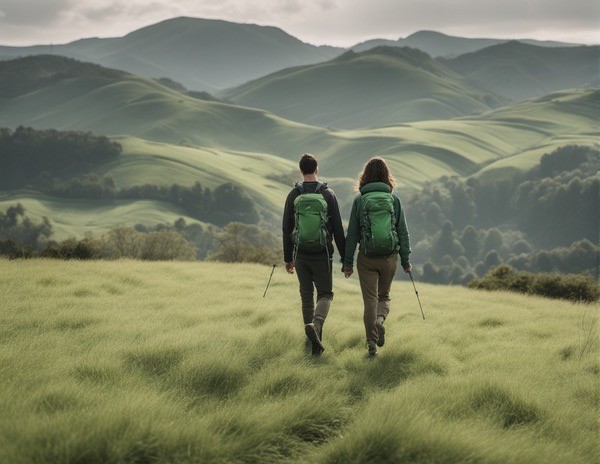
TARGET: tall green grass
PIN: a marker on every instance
(186, 362)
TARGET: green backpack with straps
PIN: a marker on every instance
(378, 224)
(310, 209)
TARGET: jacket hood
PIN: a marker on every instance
(375, 187)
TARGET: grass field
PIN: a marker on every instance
(187, 363)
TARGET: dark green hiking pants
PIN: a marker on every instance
(314, 273)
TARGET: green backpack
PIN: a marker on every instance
(310, 232)
(378, 224)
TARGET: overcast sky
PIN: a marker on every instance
(335, 22)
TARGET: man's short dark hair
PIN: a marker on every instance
(308, 164)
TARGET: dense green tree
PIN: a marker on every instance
(166, 245)
(246, 243)
(19, 228)
(472, 242)
(446, 244)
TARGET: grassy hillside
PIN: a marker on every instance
(127, 104)
(146, 362)
(203, 54)
(521, 71)
(159, 127)
(381, 86)
(438, 44)
(515, 136)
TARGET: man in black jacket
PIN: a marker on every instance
(314, 268)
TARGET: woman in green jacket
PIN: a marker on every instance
(378, 224)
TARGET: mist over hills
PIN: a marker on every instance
(202, 54)
(384, 85)
(437, 44)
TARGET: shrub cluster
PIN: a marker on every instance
(565, 286)
(236, 242)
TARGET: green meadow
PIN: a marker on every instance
(123, 361)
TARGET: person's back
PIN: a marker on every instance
(378, 224)
(311, 219)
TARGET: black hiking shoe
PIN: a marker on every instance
(372, 348)
(313, 336)
(380, 334)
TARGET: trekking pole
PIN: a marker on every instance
(416, 293)
(269, 282)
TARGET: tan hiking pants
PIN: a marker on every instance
(375, 276)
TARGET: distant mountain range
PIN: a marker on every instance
(437, 44)
(518, 71)
(390, 85)
(202, 54)
(212, 55)
(381, 86)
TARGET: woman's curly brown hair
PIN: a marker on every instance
(375, 170)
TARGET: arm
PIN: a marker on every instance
(352, 238)
(338, 227)
(288, 227)
(403, 237)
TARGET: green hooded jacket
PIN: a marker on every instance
(354, 233)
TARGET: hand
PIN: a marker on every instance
(347, 270)
(408, 269)
(289, 267)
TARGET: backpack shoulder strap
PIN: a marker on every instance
(300, 187)
(321, 187)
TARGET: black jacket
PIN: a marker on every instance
(334, 223)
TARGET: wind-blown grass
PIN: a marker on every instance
(186, 362)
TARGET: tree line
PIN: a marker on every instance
(542, 220)
(26, 153)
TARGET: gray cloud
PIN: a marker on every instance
(316, 21)
(33, 12)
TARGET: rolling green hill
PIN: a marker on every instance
(521, 71)
(255, 149)
(202, 54)
(187, 362)
(69, 95)
(437, 44)
(381, 86)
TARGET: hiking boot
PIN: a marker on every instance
(319, 328)
(313, 336)
(380, 334)
(372, 348)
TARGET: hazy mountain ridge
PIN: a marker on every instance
(381, 86)
(438, 44)
(520, 71)
(200, 53)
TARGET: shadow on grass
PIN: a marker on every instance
(504, 407)
(154, 362)
(388, 370)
